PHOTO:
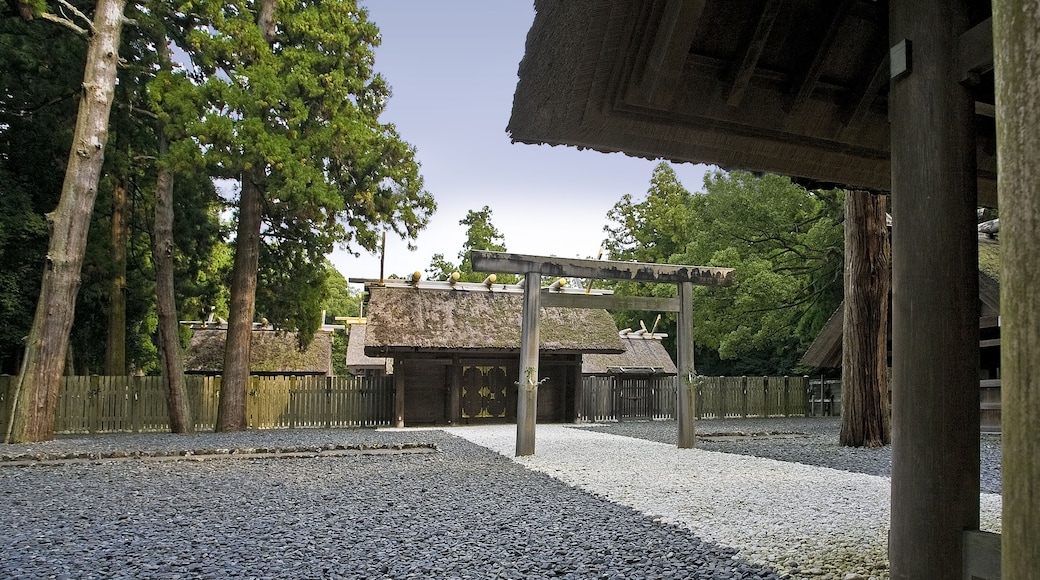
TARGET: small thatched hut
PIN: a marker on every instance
(271, 352)
(456, 352)
(644, 356)
(360, 364)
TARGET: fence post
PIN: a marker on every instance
(743, 390)
(136, 402)
(328, 404)
(787, 397)
(294, 403)
(765, 396)
(94, 403)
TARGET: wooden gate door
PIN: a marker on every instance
(485, 392)
(635, 398)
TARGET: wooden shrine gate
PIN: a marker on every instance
(534, 267)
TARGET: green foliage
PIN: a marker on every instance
(481, 234)
(23, 243)
(39, 86)
(307, 110)
(341, 299)
(303, 106)
(787, 246)
(785, 243)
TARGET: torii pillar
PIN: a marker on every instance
(534, 267)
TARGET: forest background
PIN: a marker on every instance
(223, 111)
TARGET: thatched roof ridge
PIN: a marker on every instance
(271, 351)
(641, 356)
(356, 357)
(417, 319)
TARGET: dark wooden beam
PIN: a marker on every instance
(610, 302)
(747, 60)
(504, 262)
(399, 393)
(811, 73)
(981, 555)
(659, 78)
(975, 53)
(856, 110)
(935, 298)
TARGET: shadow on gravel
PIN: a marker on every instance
(461, 512)
(806, 440)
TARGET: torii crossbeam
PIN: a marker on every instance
(534, 267)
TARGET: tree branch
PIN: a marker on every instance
(64, 22)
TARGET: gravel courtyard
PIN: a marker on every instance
(596, 502)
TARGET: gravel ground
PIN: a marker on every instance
(601, 501)
(805, 521)
(816, 443)
(462, 512)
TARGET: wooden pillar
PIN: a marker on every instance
(399, 393)
(686, 410)
(527, 391)
(455, 391)
(864, 361)
(935, 339)
(578, 393)
(1017, 72)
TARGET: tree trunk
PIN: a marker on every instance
(1017, 71)
(169, 337)
(36, 390)
(231, 409)
(864, 417)
(115, 344)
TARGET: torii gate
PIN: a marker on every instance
(534, 267)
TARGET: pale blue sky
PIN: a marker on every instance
(452, 65)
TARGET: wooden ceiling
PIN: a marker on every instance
(796, 87)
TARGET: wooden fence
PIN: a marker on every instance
(618, 399)
(98, 404)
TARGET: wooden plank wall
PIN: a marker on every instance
(101, 404)
(607, 399)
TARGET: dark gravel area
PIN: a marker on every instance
(462, 512)
(815, 443)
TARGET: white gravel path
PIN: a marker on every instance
(802, 520)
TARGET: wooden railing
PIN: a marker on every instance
(617, 399)
(99, 404)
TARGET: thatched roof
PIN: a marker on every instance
(357, 360)
(796, 88)
(434, 320)
(644, 354)
(271, 352)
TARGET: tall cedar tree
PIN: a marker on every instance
(168, 332)
(36, 390)
(868, 275)
(481, 234)
(293, 114)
